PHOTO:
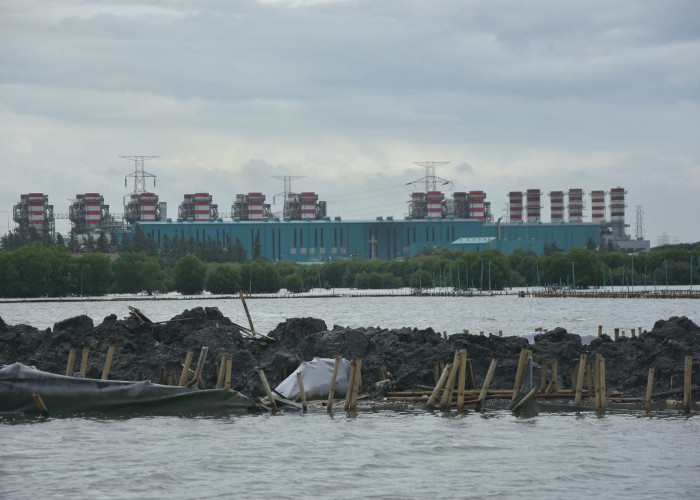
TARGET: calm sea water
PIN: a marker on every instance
(377, 454)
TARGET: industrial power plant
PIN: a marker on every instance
(303, 232)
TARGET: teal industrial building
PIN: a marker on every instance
(385, 238)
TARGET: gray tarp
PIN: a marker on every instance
(63, 394)
(316, 375)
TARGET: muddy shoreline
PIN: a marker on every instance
(408, 354)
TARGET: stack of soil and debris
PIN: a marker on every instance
(145, 349)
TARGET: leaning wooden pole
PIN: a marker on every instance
(266, 386)
(40, 404)
(108, 362)
(229, 370)
(186, 368)
(446, 399)
(687, 378)
(439, 386)
(247, 313)
(487, 383)
(331, 392)
(522, 361)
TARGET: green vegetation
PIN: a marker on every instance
(34, 266)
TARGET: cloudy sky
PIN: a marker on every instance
(350, 94)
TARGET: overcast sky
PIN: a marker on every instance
(350, 94)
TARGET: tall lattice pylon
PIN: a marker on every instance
(139, 174)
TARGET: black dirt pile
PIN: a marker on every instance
(408, 354)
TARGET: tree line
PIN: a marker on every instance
(36, 266)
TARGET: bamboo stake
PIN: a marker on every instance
(84, 361)
(351, 381)
(687, 377)
(447, 393)
(461, 379)
(600, 331)
(602, 383)
(472, 374)
(173, 378)
(186, 368)
(40, 404)
(520, 372)
(300, 381)
(266, 386)
(617, 333)
(440, 384)
(71, 362)
(650, 390)
(331, 392)
(579, 379)
(245, 307)
(487, 383)
(552, 387)
(229, 370)
(543, 377)
(163, 377)
(222, 372)
(356, 384)
(436, 372)
(108, 362)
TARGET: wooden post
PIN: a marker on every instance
(634, 334)
(440, 384)
(302, 393)
(331, 392)
(351, 381)
(600, 394)
(71, 362)
(579, 379)
(617, 333)
(447, 393)
(108, 362)
(543, 377)
(247, 313)
(357, 384)
(84, 361)
(472, 375)
(200, 362)
(650, 390)
(40, 404)
(222, 372)
(487, 383)
(436, 372)
(600, 331)
(163, 377)
(266, 386)
(461, 380)
(444, 335)
(229, 371)
(173, 378)
(522, 361)
(552, 387)
(186, 368)
(687, 378)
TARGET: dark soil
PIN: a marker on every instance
(147, 350)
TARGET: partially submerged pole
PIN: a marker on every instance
(40, 404)
(446, 399)
(520, 372)
(687, 377)
(650, 389)
(356, 384)
(461, 379)
(579, 379)
(331, 392)
(108, 362)
(302, 393)
(487, 383)
(351, 381)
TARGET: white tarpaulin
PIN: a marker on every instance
(316, 376)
